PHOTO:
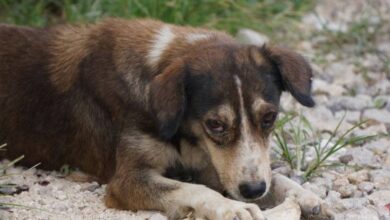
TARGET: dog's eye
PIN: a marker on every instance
(268, 120)
(215, 126)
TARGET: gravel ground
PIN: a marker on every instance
(349, 78)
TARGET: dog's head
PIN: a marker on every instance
(224, 99)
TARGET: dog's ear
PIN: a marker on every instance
(296, 74)
(168, 99)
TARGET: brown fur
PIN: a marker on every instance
(89, 96)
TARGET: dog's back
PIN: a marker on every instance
(37, 118)
(23, 85)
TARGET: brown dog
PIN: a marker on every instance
(148, 107)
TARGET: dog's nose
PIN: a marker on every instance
(252, 190)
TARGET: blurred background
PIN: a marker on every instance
(228, 15)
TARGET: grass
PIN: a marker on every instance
(294, 138)
(229, 15)
(4, 176)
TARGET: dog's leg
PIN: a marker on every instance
(138, 184)
(177, 199)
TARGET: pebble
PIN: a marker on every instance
(322, 87)
(91, 187)
(318, 190)
(364, 157)
(381, 179)
(248, 36)
(358, 102)
(350, 116)
(367, 187)
(380, 198)
(363, 213)
(358, 177)
(377, 115)
(343, 186)
(379, 147)
(341, 205)
(345, 159)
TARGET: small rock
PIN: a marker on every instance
(298, 179)
(358, 177)
(387, 161)
(157, 216)
(7, 190)
(358, 102)
(323, 182)
(60, 195)
(323, 119)
(90, 187)
(380, 198)
(323, 87)
(345, 159)
(379, 147)
(44, 183)
(349, 203)
(378, 115)
(347, 191)
(248, 36)
(350, 116)
(318, 190)
(363, 213)
(364, 157)
(372, 129)
(367, 187)
(343, 186)
(381, 179)
(332, 197)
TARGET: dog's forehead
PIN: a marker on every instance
(214, 76)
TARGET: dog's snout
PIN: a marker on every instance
(252, 190)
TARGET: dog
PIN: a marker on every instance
(169, 117)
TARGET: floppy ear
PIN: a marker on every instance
(168, 99)
(295, 72)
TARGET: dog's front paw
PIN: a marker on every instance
(310, 203)
(226, 209)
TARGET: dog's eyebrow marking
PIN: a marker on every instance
(160, 43)
(256, 105)
(197, 37)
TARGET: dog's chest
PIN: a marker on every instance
(189, 166)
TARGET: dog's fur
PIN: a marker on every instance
(147, 107)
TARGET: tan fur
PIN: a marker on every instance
(70, 47)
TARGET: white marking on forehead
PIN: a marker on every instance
(251, 156)
(160, 43)
(245, 130)
(197, 37)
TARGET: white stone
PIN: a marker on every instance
(318, 190)
(366, 187)
(378, 115)
(358, 102)
(380, 198)
(364, 157)
(358, 177)
(381, 179)
(248, 36)
(363, 213)
(323, 87)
